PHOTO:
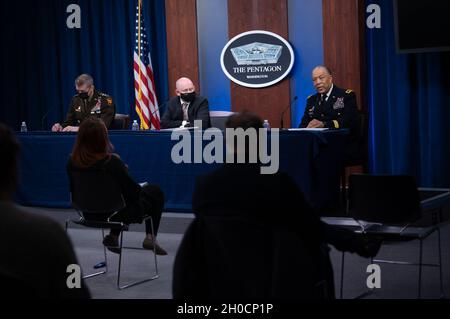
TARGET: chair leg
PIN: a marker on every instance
(420, 269)
(96, 273)
(156, 276)
(154, 251)
(440, 264)
(341, 294)
(104, 252)
(120, 260)
(106, 262)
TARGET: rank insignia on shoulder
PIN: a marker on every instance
(348, 91)
(109, 101)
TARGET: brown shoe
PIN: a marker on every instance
(150, 244)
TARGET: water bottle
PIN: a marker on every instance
(135, 126)
(23, 127)
(266, 125)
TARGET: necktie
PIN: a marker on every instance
(185, 111)
(321, 101)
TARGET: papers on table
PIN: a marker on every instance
(179, 129)
(308, 129)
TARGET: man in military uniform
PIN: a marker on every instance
(88, 102)
(333, 108)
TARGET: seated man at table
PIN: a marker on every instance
(35, 250)
(332, 107)
(87, 103)
(186, 107)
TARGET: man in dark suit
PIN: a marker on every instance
(35, 250)
(186, 107)
(332, 107)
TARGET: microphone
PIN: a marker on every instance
(44, 118)
(287, 107)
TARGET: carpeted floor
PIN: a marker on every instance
(397, 282)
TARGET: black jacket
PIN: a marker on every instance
(340, 111)
(35, 251)
(131, 190)
(198, 110)
(272, 201)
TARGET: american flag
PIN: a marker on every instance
(144, 81)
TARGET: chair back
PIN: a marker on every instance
(95, 191)
(219, 119)
(357, 152)
(121, 122)
(228, 257)
(13, 286)
(387, 199)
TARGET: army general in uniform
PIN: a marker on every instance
(333, 108)
(87, 103)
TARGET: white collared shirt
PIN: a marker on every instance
(329, 92)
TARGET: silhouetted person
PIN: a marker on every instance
(35, 250)
(275, 203)
(334, 108)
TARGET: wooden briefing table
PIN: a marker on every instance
(314, 159)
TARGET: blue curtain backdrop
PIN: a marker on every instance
(409, 107)
(41, 57)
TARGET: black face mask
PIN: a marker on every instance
(83, 95)
(188, 97)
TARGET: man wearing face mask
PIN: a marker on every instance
(88, 102)
(186, 107)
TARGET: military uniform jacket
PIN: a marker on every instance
(339, 111)
(100, 105)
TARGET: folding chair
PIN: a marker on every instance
(387, 206)
(96, 192)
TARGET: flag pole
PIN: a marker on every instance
(139, 47)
